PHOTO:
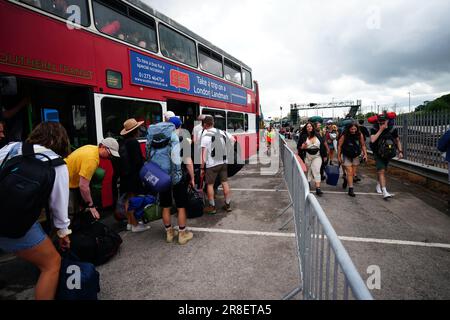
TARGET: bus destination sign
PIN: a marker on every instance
(149, 72)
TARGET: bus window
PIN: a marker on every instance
(118, 21)
(219, 118)
(59, 8)
(247, 78)
(210, 61)
(116, 111)
(177, 47)
(235, 122)
(232, 72)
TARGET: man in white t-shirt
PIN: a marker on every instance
(198, 129)
(214, 162)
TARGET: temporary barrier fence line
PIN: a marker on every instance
(325, 268)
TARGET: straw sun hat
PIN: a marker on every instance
(130, 125)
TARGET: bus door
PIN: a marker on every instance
(39, 101)
(187, 111)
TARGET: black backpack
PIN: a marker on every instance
(351, 148)
(25, 187)
(386, 146)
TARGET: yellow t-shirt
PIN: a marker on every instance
(82, 163)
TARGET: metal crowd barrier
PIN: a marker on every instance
(325, 268)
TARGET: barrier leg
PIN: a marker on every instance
(291, 295)
(285, 225)
(286, 209)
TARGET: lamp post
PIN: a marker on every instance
(409, 94)
(281, 117)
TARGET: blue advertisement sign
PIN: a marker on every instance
(149, 72)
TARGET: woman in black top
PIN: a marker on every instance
(351, 146)
(131, 162)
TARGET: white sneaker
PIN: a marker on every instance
(129, 227)
(387, 195)
(379, 191)
(139, 228)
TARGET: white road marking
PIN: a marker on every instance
(342, 238)
(257, 190)
(246, 233)
(357, 193)
(325, 191)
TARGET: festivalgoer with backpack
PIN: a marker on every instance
(82, 164)
(214, 160)
(324, 150)
(330, 138)
(384, 142)
(34, 176)
(444, 146)
(351, 146)
(131, 162)
(311, 148)
(163, 149)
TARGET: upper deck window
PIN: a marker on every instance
(63, 9)
(177, 47)
(232, 72)
(122, 22)
(210, 61)
(247, 78)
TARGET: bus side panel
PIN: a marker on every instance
(54, 52)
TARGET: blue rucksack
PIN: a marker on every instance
(163, 149)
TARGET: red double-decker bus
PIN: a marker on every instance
(92, 64)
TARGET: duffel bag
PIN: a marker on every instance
(77, 280)
(152, 213)
(92, 241)
(154, 178)
(195, 205)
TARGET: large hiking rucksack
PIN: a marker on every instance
(386, 146)
(164, 150)
(351, 148)
(25, 187)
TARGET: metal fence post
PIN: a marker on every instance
(405, 136)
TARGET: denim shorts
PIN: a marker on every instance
(33, 237)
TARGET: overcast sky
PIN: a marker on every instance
(316, 51)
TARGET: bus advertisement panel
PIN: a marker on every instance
(150, 72)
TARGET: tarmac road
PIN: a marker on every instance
(242, 255)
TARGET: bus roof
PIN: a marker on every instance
(179, 27)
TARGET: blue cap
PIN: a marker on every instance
(176, 121)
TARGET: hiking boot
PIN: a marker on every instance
(227, 207)
(139, 228)
(351, 193)
(184, 237)
(357, 179)
(171, 233)
(210, 210)
(344, 184)
(319, 192)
